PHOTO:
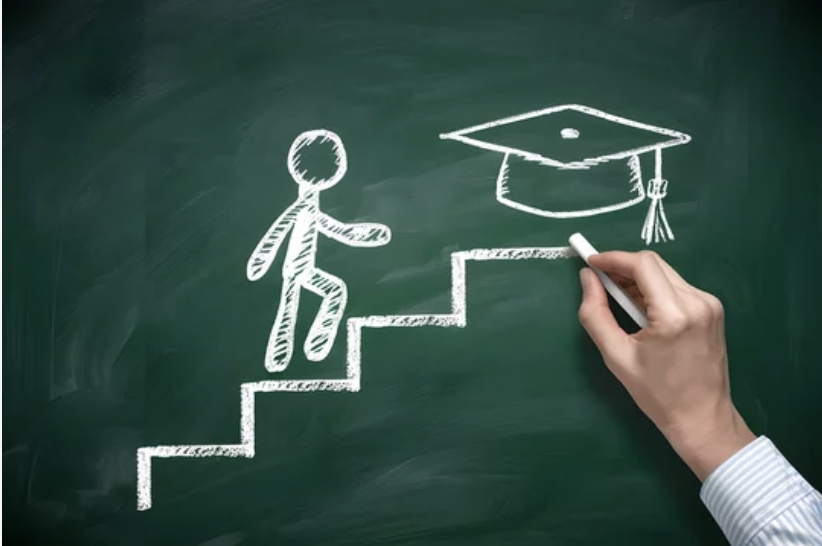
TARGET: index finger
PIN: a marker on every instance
(640, 267)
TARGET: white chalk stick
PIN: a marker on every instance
(585, 250)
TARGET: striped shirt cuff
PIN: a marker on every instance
(750, 489)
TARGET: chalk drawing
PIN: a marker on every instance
(569, 133)
(655, 228)
(306, 220)
(351, 382)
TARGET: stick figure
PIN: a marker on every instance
(299, 270)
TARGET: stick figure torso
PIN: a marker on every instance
(302, 248)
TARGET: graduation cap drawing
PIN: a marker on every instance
(575, 140)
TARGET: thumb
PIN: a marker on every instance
(597, 319)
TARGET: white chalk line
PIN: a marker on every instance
(246, 446)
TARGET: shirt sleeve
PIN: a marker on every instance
(758, 498)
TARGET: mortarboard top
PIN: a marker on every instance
(572, 136)
(568, 136)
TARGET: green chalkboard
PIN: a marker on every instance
(146, 150)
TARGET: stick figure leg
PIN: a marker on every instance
(324, 328)
(281, 341)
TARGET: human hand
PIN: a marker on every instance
(676, 369)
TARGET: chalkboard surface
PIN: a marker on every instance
(146, 154)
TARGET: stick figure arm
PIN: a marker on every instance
(267, 248)
(365, 234)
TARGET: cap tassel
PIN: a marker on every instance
(656, 226)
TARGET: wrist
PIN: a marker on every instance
(707, 443)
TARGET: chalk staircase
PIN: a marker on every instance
(351, 382)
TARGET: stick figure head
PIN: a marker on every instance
(306, 139)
